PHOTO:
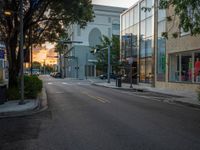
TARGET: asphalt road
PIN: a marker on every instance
(82, 116)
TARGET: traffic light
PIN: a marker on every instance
(95, 50)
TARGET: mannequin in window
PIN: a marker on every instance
(197, 69)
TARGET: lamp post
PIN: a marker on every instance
(108, 69)
(108, 72)
(21, 52)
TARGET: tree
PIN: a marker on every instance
(102, 55)
(45, 19)
(188, 12)
(36, 65)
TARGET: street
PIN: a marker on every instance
(82, 116)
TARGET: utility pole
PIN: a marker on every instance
(21, 52)
(131, 63)
(108, 72)
(86, 66)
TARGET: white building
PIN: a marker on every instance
(79, 62)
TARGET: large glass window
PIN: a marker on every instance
(123, 22)
(174, 67)
(142, 12)
(127, 20)
(149, 27)
(131, 17)
(135, 15)
(142, 29)
(185, 67)
(148, 47)
(149, 4)
(161, 57)
(148, 73)
(197, 67)
(142, 69)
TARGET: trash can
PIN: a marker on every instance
(118, 82)
(2, 94)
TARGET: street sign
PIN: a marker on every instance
(2, 54)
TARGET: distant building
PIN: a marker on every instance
(79, 62)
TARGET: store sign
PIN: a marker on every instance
(2, 54)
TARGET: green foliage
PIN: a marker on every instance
(165, 35)
(33, 85)
(175, 35)
(102, 55)
(45, 19)
(13, 93)
(36, 65)
(188, 13)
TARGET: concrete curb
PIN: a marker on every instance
(146, 90)
(41, 105)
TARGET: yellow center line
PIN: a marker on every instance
(102, 100)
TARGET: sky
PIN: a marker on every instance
(117, 3)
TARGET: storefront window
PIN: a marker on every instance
(185, 67)
(174, 67)
(148, 73)
(148, 47)
(142, 69)
(197, 67)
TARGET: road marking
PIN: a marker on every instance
(102, 100)
(59, 92)
(66, 83)
(49, 83)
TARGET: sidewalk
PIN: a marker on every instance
(31, 106)
(189, 98)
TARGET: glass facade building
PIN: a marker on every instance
(137, 30)
(169, 63)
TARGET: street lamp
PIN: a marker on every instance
(108, 69)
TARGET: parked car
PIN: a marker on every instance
(104, 76)
(57, 75)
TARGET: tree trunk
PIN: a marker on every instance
(13, 60)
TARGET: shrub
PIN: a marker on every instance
(32, 86)
(13, 93)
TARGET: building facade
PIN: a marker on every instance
(168, 63)
(79, 62)
(137, 40)
(3, 63)
(182, 58)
